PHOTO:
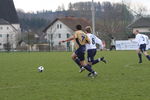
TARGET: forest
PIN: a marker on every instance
(111, 19)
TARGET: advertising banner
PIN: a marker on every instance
(128, 45)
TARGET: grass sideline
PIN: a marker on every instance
(122, 78)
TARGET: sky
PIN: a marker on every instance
(39, 5)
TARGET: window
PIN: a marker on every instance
(7, 35)
(68, 35)
(60, 26)
(0, 35)
(51, 36)
(59, 35)
(7, 28)
(59, 44)
(1, 28)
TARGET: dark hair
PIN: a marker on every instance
(79, 27)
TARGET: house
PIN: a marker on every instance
(61, 29)
(142, 24)
(10, 30)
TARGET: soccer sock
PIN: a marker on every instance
(95, 61)
(88, 67)
(140, 56)
(148, 57)
(77, 61)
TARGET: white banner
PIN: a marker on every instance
(128, 45)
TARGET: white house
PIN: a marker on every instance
(9, 34)
(10, 30)
(61, 29)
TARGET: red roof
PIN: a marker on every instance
(71, 22)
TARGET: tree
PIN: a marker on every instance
(111, 18)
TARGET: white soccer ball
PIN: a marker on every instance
(40, 68)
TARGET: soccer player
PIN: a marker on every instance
(81, 39)
(91, 48)
(142, 41)
(112, 44)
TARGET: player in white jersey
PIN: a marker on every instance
(91, 48)
(142, 41)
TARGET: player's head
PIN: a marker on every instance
(136, 32)
(88, 29)
(79, 27)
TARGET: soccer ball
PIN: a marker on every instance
(40, 69)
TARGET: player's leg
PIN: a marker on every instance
(91, 54)
(81, 56)
(147, 55)
(110, 48)
(89, 68)
(75, 59)
(114, 47)
(98, 60)
(139, 55)
(143, 49)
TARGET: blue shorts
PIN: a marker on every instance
(91, 54)
(80, 52)
(142, 47)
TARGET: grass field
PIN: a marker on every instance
(122, 78)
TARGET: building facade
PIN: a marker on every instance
(9, 35)
(61, 29)
(10, 31)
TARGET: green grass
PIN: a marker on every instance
(122, 78)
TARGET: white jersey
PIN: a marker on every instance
(94, 40)
(141, 39)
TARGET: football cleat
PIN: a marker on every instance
(89, 74)
(81, 69)
(93, 75)
(140, 62)
(103, 60)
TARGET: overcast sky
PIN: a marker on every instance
(38, 5)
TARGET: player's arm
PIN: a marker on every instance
(68, 39)
(88, 40)
(147, 40)
(98, 41)
(135, 40)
